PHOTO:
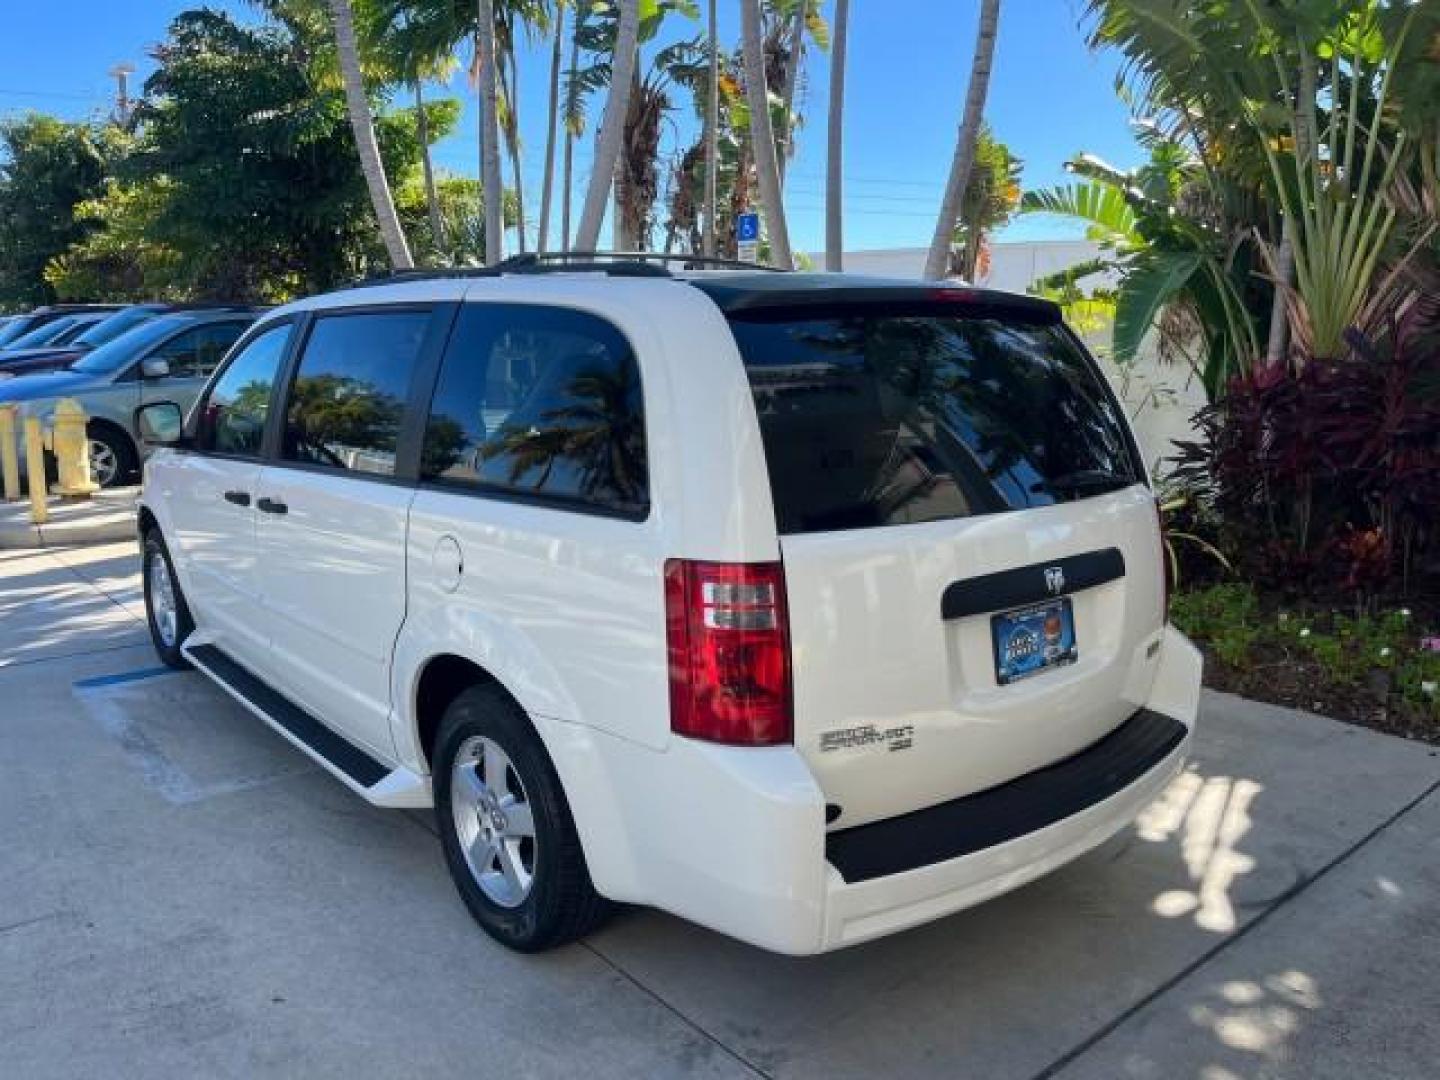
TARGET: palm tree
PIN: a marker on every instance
(612, 126)
(792, 80)
(573, 117)
(637, 172)
(363, 124)
(489, 132)
(552, 119)
(510, 17)
(834, 158)
(427, 167)
(387, 31)
(712, 136)
(937, 263)
(990, 198)
(762, 136)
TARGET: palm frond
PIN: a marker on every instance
(1152, 280)
(1108, 215)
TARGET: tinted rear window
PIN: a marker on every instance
(888, 419)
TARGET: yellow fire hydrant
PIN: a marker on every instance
(71, 447)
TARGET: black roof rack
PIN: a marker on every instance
(622, 262)
(614, 263)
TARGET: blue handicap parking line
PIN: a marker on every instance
(122, 677)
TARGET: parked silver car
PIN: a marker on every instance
(166, 359)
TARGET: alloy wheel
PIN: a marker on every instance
(493, 821)
(104, 463)
(163, 608)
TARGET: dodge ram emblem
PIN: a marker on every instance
(1055, 580)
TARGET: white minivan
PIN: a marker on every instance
(807, 607)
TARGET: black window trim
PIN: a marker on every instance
(540, 500)
(412, 422)
(192, 423)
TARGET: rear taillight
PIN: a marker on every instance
(729, 639)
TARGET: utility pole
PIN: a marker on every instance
(121, 74)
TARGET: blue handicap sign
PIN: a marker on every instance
(747, 227)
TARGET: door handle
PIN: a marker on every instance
(239, 498)
(272, 506)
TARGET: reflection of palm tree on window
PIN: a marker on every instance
(339, 412)
(600, 431)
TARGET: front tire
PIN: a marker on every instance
(112, 458)
(166, 612)
(505, 827)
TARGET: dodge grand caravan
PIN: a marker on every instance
(806, 607)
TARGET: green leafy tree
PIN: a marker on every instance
(266, 197)
(49, 171)
(121, 258)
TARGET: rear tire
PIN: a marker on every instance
(505, 827)
(166, 612)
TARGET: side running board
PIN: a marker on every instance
(352, 764)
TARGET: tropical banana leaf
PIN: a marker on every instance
(1151, 281)
(1102, 207)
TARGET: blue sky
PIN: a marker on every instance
(908, 62)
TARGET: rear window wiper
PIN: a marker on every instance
(1083, 479)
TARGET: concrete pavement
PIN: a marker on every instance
(182, 894)
(107, 517)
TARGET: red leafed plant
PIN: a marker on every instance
(1330, 478)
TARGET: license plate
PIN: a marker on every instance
(1032, 639)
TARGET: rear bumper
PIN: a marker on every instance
(859, 911)
(734, 838)
(1028, 804)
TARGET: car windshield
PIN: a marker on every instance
(43, 334)
(118, 352)
(889, 418)
(110, 328)
(13, 329)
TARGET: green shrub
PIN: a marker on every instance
(1230, 621)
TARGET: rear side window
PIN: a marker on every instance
(232, 420)
(541, 402)
(350, 389)
(894, 418)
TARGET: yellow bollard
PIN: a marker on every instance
(72, 450)
(35, 469)
(9, 453)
